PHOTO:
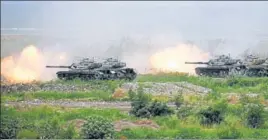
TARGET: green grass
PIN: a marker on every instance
(236, 84)
(170, 126)
(102, 90)
(96, 95)
(64, 114)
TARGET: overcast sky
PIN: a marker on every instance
(202, 18)
(241, 21)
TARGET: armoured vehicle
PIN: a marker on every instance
(220, 66)
(224, 65)
(256, 66)
(89, 69)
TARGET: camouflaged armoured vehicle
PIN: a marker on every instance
(224, 65)
(90, 69)
(219, 66)
(255, 66)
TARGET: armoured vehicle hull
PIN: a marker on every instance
(124, 73)
(224, 66)
(110, 69)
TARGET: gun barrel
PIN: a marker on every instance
(196, 62)
(58, 66)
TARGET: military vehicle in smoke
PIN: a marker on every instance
(90, 69)
(256, 66)
(224, 65)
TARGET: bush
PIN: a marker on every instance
(254, 115)
(214, 113)
(141, 106)
(159, 109)
(145, 110)
(49, 129)
(97, 127)
(210, 116)
(9, 127)
(27, 134)
(229, 133)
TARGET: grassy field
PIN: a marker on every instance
(183, 123)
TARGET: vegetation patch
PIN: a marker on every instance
(97, 127)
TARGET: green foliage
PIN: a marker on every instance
(213, 96)
(139, 104)
(112, 85)
(49, 129)
(27, 134)
(142, 107)
(210, 116)
(131, 94)
(189, 133)
(178, 100)
(159, 109)
(69, 133)
(97, 127)
(228, 133)
(184, 112)
(9, 127)
(254, 115)
(139, 108)
(143, 112)
(214, 114)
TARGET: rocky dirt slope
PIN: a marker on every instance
(149, 87)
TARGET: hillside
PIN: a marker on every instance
(56, 104)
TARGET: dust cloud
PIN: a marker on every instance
(29, 65)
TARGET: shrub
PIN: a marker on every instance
(229, 133)
(49, 129)
(254, 115)
(214, 113)
(141, 106)
(159, 109)
(27, 134)
(9, 127)
(145, 110)
(97, 127)
(210, 116)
